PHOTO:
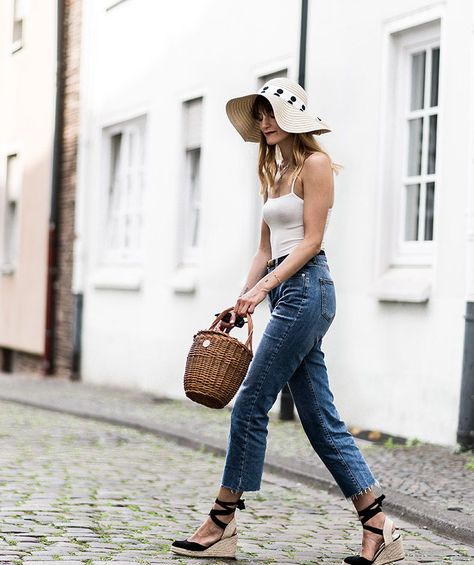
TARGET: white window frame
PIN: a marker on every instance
(411, 41)
(9, 264)
(191, 202)
(192, 209)
(17, 15)
(130, 209)
(397, 277)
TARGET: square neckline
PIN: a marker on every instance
(288, 193)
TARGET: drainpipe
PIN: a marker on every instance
(465, 435)
(465, 432)
(303, 33)
(49, 345)
(286, 402)
(76, 336)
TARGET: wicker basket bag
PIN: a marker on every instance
(217, 364)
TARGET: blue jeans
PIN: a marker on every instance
(302, 310)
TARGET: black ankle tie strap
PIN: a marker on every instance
(369, 512)
(240, 504)
(229, 507)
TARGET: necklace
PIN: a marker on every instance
(282, 170)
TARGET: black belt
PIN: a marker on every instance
(277, 261)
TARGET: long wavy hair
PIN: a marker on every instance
(303, 145)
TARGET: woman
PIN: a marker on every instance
(291, 269)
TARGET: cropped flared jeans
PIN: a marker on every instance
(302, 309)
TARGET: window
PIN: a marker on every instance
(125, 150)
(422, 120)
(409, 165)
(11, 201)
(417, 181)
(265, 78)
(17, 28)
(191, 198)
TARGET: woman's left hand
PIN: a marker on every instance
(249, 301)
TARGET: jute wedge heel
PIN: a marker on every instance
(391, 548)
(226, 546)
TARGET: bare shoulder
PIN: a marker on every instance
(316, 164)
(317, 176)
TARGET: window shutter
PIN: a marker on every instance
(193, 123)
(13, 178)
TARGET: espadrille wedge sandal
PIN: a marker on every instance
(223, 547)
(391, 548)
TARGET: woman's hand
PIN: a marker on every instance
(248, 302)
(226, 326)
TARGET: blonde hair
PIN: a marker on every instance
(304, 144)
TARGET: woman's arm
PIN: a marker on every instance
(257, 270)
(318, 181)
(258, 266)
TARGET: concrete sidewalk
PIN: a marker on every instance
(429, 485)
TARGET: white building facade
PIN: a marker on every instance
(168, 208)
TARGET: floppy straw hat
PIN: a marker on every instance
(289, 102)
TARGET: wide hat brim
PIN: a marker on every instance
(288, 118)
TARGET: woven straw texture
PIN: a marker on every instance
(289, 118)
(216, 365)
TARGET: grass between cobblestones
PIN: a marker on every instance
(416, 468)
(85, 492)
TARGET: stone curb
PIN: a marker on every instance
(413, 510)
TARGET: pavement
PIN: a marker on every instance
(429, 487)
(85, 492)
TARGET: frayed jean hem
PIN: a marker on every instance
(236, 491)
(361, 492)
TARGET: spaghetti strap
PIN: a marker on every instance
(293, 184)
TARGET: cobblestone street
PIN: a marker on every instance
(430, 485)
(80, 491)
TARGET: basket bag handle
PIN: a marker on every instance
(248, 343)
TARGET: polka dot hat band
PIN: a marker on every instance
(289, 103)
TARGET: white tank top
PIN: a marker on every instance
(284, 217)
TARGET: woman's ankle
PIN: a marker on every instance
(227, 495)
(226, 518)
(376, 520)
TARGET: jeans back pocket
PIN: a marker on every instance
(328, 298)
